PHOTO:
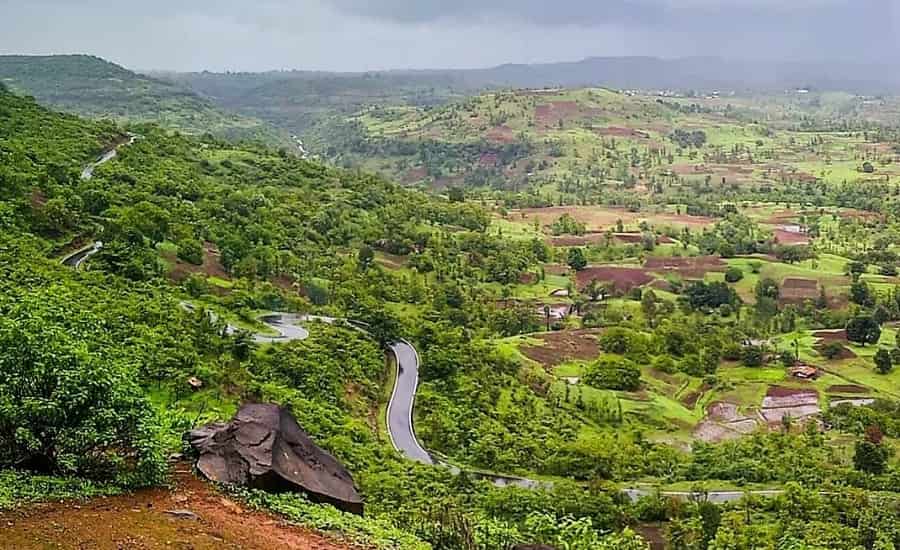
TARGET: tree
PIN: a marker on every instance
(733, 275)
(648, 306)
(883, 362)
(67, 410)
(364, 257)
(576, 259)
(861, 294)
(767, 288)
(871, 455)
(613, 372)
(863, 330)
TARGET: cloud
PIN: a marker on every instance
(380, 34)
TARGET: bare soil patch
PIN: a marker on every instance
(848, 388)
(500, 134)
(839, 335)
(623, 279)
(562, 346)
(551, 113)
(140, 521)
(791, 238)
(843, 353)
(211, 267)
(797, 289)
(689, 268)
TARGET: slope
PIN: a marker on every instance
(92, 87)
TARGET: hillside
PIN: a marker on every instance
(588, 372)
(296, 100)
(596, 144)
(95, 88)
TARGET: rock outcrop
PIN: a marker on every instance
(263, 447)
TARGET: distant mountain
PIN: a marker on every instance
(297, 101)
(92, 87)
(693, 73)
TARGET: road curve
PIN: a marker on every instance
(400, 407)
(75, 259)
(107, 156)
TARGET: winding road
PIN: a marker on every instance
(107, 156)
(400, 407)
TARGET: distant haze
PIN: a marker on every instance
(359, 35)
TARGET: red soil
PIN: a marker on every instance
(831, 335)
(551, 113)
(500, 134)
(623, 278)
(793, 289)
(847, 388)
(781, 391)
(140, 521)
(791, 238)
(562, 346)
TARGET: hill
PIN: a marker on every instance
(619, 147)
(297, 100)
(599, 351)
(95, 88)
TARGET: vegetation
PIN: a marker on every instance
(646, 332)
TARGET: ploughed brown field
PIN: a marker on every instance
(623, 279)
(562, 346)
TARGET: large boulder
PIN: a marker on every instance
(263, 447)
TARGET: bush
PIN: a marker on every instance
(64, 410)
(753, 356)
(613, 373)
(832, 349)
(733, 275)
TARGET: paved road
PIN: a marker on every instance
(716, 497)
(399, 411)
(77, 258)
(88, 171)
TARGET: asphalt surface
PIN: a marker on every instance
(76, 259)
(88, 171)
(399, 412)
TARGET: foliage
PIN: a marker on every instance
(613, 373)
(863, 330)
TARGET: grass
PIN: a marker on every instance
(19, 488)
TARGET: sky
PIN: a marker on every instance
(361, 35)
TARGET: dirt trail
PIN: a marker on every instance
(140, 521)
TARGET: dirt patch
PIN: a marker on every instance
(211, 267)
(839, 335)
(843, 353)
(500, 134)
(848, 388)
(688, 268)
(690, 400)
(623, 279)
(780, 402)
(562, 346)
(579, 240)
(796, 289)
(654, 534)
(614, 131)
(791, 237)
(722, 411)
(140, 521)
(551, 113)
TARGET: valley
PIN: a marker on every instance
(581, 317)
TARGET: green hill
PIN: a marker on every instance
(95, 88)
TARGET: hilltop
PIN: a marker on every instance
(95, 88)
(597, 144)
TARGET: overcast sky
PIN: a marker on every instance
(351, 35)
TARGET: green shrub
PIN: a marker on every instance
(613, 373)
(733, 275)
